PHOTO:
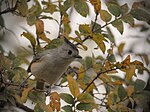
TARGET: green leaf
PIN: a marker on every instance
(37, 108)
(105, 16)
(139, 85)
(119, 25)
(22, 6)
(67, 98)
(122, 92)
(124, 8)
(85, 106)
(81, 7)
(141, 14)
(97, 27)
(30, 37)
(128, 18)
(99, 38)
(85, 98)
(68, 4)
(54, 43)
(84, 29)
(36, 96)
(67, 108)
(31, 20)
(114, 9)
(110, 35)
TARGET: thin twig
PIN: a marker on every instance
(10, 9)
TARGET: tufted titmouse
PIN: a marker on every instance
(50, 64)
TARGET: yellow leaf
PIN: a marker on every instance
(90, 88)
(130, 72)
(81, 73)
(117, 82)
(73, 86)
(98, 38)
(120, 48)
(96, 4)
(85, 98)
(30, 37)
(25, 94)
(105, 78)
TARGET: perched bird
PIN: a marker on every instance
(50, 64)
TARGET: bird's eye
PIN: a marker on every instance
(69, 52)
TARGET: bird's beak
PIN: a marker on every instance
(78, 56)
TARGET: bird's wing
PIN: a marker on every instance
(36, 58)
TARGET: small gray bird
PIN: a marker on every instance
(50, 64)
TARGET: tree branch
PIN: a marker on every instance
(23, 107)
(10, 9)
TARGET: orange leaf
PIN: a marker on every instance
(73, 86)
(96, 4)
(126, 62)
(39, 26)
(130, 72)
(55, 101)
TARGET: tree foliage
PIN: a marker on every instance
(121, 94)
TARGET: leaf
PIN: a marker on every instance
(49, 7)
(119, 25)
(122, 92)
(139, 11)
(54, 43)
(68, 4)
(85, 106)
(36, 96)
(22, 6)
(33, 13)
(105, 16)
(73, 86)
(85, 98)
(67, 108)
(142, 100)
(126, 61)
(31, 20)
(114, 9)
(130, 90)
(97, 27)
(30, 37)
(96, 4)
(124, 8)
(84, 29)
(25, 94)
(130, 72)
(40, 30)
(81, 7)
(110, 35)
(121, 48)
(67, 98)
(128, 18)
(98, 38)
(139, 85)
(55, 101)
